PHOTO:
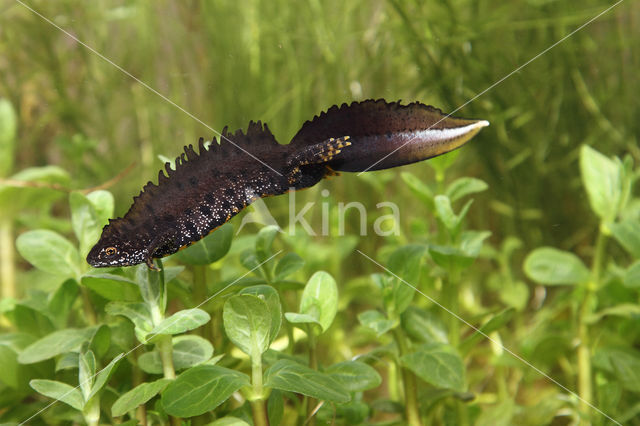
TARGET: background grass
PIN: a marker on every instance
(282, 62)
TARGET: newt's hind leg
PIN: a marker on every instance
(319, 153)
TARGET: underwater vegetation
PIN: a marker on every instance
(496, 284)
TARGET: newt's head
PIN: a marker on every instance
(117, 249)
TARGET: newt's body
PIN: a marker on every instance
(209, 188)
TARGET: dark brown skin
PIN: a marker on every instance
(209, 188)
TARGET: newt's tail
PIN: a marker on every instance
(385, 135)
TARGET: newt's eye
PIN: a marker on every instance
(110, 251)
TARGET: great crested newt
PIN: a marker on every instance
(208, 188)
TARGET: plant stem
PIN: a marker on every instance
(313, 364)
(259, 411)
(200, 294)
(165, 347)
(92, 413)
(451, 291)
(409, 382)
(166, 355)
(258, 397)
(138, 378)
(7, 265)
(585, 379)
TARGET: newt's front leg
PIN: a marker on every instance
(319, 153)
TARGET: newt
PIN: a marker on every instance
(209, 187)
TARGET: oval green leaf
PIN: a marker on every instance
(354, 376)
(54, 344)
(550, 266)
(289, 264)
(437, 364)
(181, 321)
(602, 178)
(464, 186)
(59, 391)
(290, 376)
(247, 322)
(201, 389)
(137, 396)
(270, 296)
(50, 252)
(320, 299)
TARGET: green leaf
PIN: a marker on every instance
(247, 322)
(602, 178)
(418, 188)
(320, 299)
(54, 344)
(295, 318)
(14, 199)
(31, 319)
(151, 286)
(437, 364)
(201, 389)
(627, 233)
(449, 257)
(464, 186)
(289, 264)
(471, 242)
(181, 321)
(550, 266)
(445, 213)
(354, 376)
(103, 204)
(138, 314)
(111, 286)
(264, 241)
(137, 396)
(424, 326)
(210, 249)
(270, 296)
(290, 376)
(85, 221)
(8, 131)
(376, 321)
(632, 276)
(103, 376)
(624, 310)
(62, 300)
(86, 372)
(50, 252)
(626, 367)
(404, 263)
(500, 414)
(496, 322)
(100, 341)
(275, 407)
(14, 374)
(67, 361)
(188, 351)
(514, 294)
(59, 391)
(151, 363)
